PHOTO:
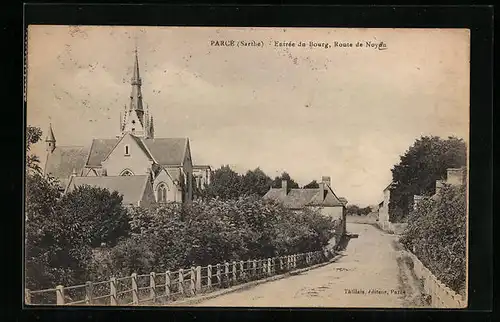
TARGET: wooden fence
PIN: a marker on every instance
(158, 288)
(441, 295)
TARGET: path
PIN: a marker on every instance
(368, 263)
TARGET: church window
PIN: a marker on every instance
(126, 172)
(127, 149)
(133, 121)
(162, 192)
(133, 129)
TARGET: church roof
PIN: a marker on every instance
(99, 149)
(299, 198)
(64, 159)
(130, 187)
(167, 151)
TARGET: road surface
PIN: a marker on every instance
(367, 275)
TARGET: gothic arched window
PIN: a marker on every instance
(161, 192)
(126, 172)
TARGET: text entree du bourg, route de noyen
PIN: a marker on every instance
(380, 45)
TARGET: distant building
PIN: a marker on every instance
(383, 207)
(322, 198)
(135, 153)
(202, 175)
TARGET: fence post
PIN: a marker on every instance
(273, 265)
(181, 281)
(249, 269)
(226, 273)
(209, 276)
(152, 285)
(112, 291)
(192, 280)
(217, 272)
(135, 291)
(269, 266)
(198, 279)
(254, 267)
(88, 293)
(27, 296)
(60, 295)
(242, 270)
(288, 262)
(281, 263)
(167, 284)
(234, 272)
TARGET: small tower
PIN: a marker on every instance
(50, 140)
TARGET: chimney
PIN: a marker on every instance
(326, 181)
(439, 185)
(284, 186)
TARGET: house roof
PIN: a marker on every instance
(299, 198)
(64, 159)
(130, 187)
(165, 151)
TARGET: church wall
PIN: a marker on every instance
(173, 193)
(136, 161)
(188, 171)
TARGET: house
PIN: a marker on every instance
(323, 199)
(134, 152)
(383, 207)
(454, 177)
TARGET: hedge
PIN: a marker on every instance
(436, 234)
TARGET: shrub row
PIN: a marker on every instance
(436, 234)
(213, 231)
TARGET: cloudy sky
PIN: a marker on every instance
(348, 113)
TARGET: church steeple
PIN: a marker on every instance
(50, 140)
(135, 121)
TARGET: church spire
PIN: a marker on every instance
(136, 94)
(50, 140)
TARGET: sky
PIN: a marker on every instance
(344, 112)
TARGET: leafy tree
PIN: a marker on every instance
(255, 182)
(425, 162)
(33, 135)
(312, 185)
(96, 213)
(225, 184)
(352, 210)
(291, 184)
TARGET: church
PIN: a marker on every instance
(142, 168)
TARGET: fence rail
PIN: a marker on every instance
(164, 287)
(441, 295)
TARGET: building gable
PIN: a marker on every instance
(128, 154)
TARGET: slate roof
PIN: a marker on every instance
(61, 162)
(299, 198)
(99, 149)
(130, 187)
(165, 151)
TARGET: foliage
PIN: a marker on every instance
(436, 234)
(312, 185)
(255, 182)
(213, 231)
(424, 163)
(291, 184)
(33, 135)
(224, 184)
(97, 213)
(356, 210)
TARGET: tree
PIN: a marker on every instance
(255, 182)
(225, 184)
(33, 135)
(425, 162)
(291, 184)
(352, 210)
(312, 185)
(97, 214)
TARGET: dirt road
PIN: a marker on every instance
(367, 275)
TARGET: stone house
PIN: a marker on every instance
(323, 199)
(383, 208)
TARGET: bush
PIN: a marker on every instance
(436, 234)
(213, 231)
